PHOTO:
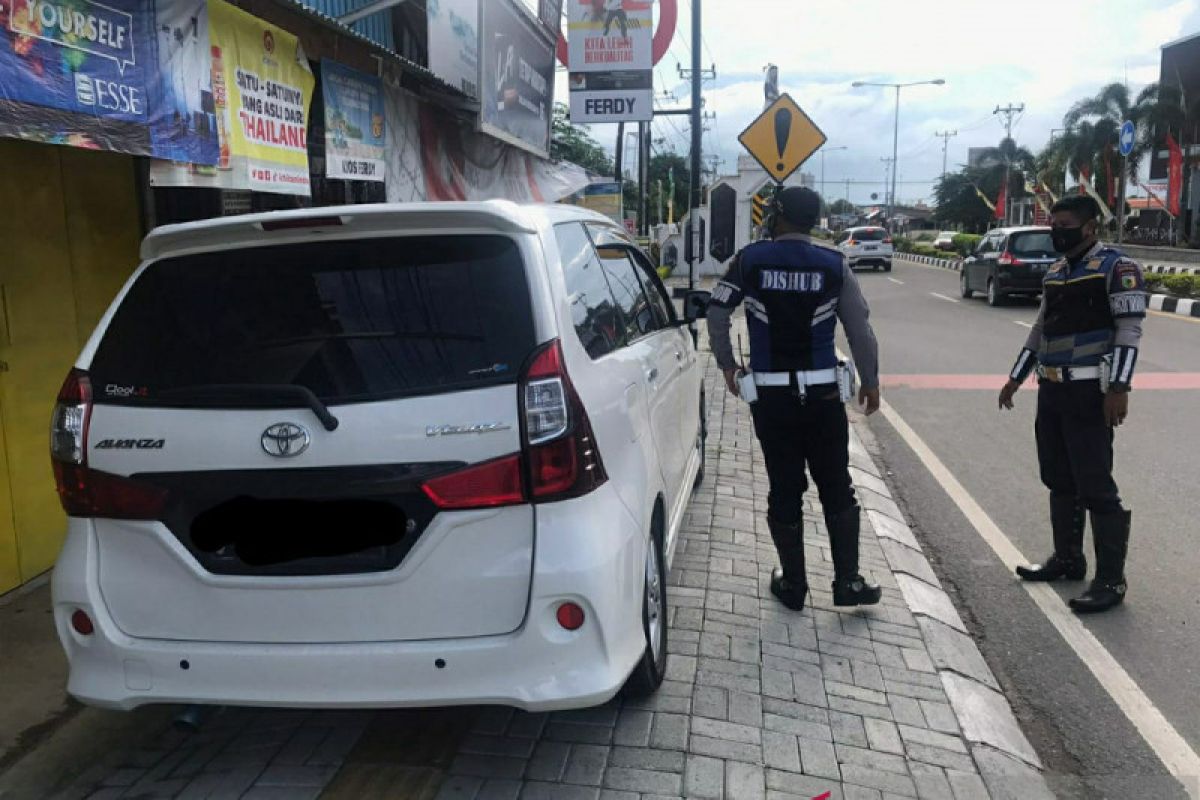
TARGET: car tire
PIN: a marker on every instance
(994, 298)
(963, 291)
(701, 441)
(887, 267)
(651, 668)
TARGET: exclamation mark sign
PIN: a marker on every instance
(783, 129)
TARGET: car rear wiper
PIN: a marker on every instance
(222, 391)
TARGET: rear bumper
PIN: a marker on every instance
(594, 561)
(870, 258)
(1026, 286)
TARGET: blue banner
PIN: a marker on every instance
(132, 76)
(354, 123)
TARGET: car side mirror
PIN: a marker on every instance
(695, 305)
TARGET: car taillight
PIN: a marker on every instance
(559, 458)
(487, 485)
(851, 242)
(563, 459)
(887, 240)
(83, 491)
(1008, 260)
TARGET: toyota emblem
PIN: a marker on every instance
(285, 440)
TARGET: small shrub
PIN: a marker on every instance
(965, 243)
(1181, 285)
(902, 244)
(1154, 282)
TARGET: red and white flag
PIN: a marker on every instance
(1174, 175)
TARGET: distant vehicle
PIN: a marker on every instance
(1008, 262)
(372, 456)
(945, 240)
(867, 247)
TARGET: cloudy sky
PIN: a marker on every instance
(1044, 54)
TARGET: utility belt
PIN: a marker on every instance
(1102, 373)
(842, 375)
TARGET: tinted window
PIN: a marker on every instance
(1033, 244)
(870, 235)
(627, 290)
(352, 321)
(660, 302)
(593, 311)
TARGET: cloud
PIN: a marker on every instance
(1043, 54)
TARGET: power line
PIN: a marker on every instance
(945, 137)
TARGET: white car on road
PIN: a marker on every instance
(377, 456)
(867, 247)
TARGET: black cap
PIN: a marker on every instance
(799, 205)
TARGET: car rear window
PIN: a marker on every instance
(350, 320)
(869, 235)
(1032, 244)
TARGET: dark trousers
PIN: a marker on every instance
(622, 21)
(1075, 444)
(794, 433)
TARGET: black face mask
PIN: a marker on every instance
(1066, 239)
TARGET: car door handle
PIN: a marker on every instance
(679, 355)
(652, 374)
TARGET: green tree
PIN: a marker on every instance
(661, 168)
(575, 144)
(842, 206)
(959, 204)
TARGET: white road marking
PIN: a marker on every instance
(943, 297)
(893, 280)
(1172, 749)
(1023, 324)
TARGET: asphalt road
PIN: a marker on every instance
(944, 360)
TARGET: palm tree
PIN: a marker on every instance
(1008, 158)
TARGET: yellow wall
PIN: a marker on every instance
(70, 235)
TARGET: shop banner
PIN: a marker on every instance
(516, 76)
(131, 76)
(460, 164)
(610, 55)
(262, 89)
(354, 124)
(454, 43)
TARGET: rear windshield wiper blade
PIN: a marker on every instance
(221, 391)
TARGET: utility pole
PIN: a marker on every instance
(945, 137)
(887, 184)
(696, 74)
(1008, 112)
(643, 178)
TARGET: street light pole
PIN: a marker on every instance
(896, 129)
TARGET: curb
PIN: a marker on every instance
(1170, 269)
(1175, 305)
(944, 263)
(1003, 755)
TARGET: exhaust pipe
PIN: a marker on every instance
(191, 718)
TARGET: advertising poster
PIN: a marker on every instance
(354, 124)
(604, 198)
(454, 43)
(517, 77)
(610, 54)
(262, 93)
(130, 76)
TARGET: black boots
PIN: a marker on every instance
(1111, 534)
(1067, 519)
(849, 588)
(789, 582)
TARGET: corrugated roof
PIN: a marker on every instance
(364, 30)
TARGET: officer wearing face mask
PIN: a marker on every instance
(1084, 347)
(795, 291)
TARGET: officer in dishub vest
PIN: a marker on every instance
(1084, 347)
(795, 291)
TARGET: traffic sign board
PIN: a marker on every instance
(782, 138)
(1128, 136)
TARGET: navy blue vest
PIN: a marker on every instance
(791, 292)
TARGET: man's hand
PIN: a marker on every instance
(1116, 408)
(731, 381)
(868, 400)
(1007, 394)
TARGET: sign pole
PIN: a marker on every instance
(697, 131)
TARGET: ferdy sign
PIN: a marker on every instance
(611, 60)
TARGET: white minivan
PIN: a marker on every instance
(376, 456)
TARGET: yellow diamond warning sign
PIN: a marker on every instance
(782, 138)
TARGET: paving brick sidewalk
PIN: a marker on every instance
(760, 701)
